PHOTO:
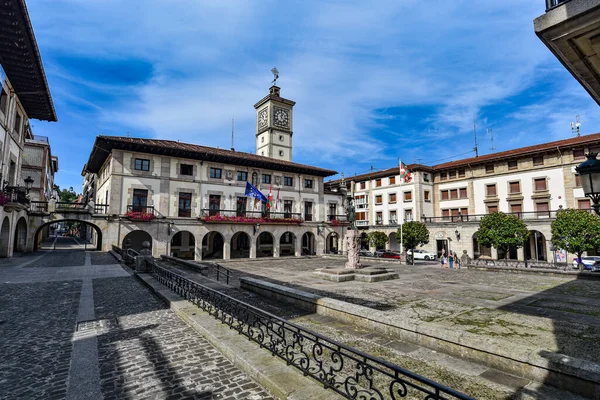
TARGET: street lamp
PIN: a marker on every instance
(28, 183)
(589, 171)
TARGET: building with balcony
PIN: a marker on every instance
(189, 200)
(24, 95)
(530, 182)
(40, 165)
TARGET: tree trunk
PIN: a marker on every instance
(580, 263)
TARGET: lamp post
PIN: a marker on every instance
(28, 183)
(589, 171)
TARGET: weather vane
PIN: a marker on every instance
(275, 74)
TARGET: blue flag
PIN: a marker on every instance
(252, 191)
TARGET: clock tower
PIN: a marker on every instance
(274, 125)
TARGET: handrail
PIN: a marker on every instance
(228, 272)
(207, 212)
(341, 368)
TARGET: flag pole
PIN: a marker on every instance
(401, 206)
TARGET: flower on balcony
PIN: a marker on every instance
(4, 199)
(139, 216)
(337, 222)
(248, 220)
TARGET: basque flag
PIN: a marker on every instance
(252, 191)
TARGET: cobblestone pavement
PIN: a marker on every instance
(102, 258)
(143, 350)
(554, 314)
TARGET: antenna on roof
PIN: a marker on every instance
(232, 125)
(491, 135)
(417, 160)
(575, 127)
(475, 133)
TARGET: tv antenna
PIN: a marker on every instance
(491, 135)
(275, 75)
(475, 133)
(575, 127)
(417, 160)
(232, 125)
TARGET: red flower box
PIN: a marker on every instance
(139, 216)
(216, 219)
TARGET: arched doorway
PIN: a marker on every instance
(212, 246)
(48, 227)
(364, 241)
(331, 243)
(183, 245)
(20, 239)
(308, 244)
(134, 240)
(264, 245)
(535, 248)
(4, 237)
(394, 245)
(480, 250)
(240, 245)
(287, 244)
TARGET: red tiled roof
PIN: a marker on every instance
(104, 145)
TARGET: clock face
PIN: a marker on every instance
(280, 117)
(263, 116)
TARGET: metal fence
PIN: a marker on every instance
(514, 264)
(343, 369)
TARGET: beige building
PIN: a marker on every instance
(189, 200)
(531, 182)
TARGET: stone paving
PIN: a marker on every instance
(54, 314)
(554, 314)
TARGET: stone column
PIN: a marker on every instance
(226, 251)
(353, 242)
(520, 254)
(298, 246)
(252, 247)
(276, 249)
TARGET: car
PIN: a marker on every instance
(421, 254)
(378, 253)
(587, 261)
(365, 253)
(390, 254)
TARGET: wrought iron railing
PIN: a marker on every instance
(477, 217)
(16, 194)
(343, 369)
(337, 217)
(251, 214)
(141, 209)
(100, 208)
(554, 3)
(220, 271)
(38, 207)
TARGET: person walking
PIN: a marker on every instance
(443, 261)
(451, 260)
(456, 261)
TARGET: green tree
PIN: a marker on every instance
(67, 196)
(576, 231)
(414, 233)
(378, 239)
(503, 231)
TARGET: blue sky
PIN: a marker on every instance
(373, 81)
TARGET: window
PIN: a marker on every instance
(425, 177)
(3, 100)
(578, 154)
(140, 200)
(379, 199)
(426, 195)
(443, 176)
(407, 196)
(514, 187)
(288, 181)
(332, 211)
(281, 138)
(490, 190)
(393, 219)
(540, 184)
(492, 208)
(392, 197)
(445, 213)
(287, 208)
(185, 204)
(379, 218)
(214, 204)
(266, 178)
(584, 204)
(215, 173)
(281, 153)
(516, 208)
(461, 173)
(453, 194)
(462, 193)
(186, 169)
(142, 164)
(363, 185)
(308, 183)
(307, 211)
(408, 216)
(392, 180)
(489, 169)
(240, 206)
(542, 208)
(445, 194)
(242, 176)
(513, 164)
(538, 160)
(262, 139)
(577, 180)
(452, 174)
(378, 183)
(18, 121)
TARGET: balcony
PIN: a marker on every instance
(362, 223)
(571, 30)
(140, 213)
(335, 219)
(249, 217)
(14, 198)
(531, 215)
